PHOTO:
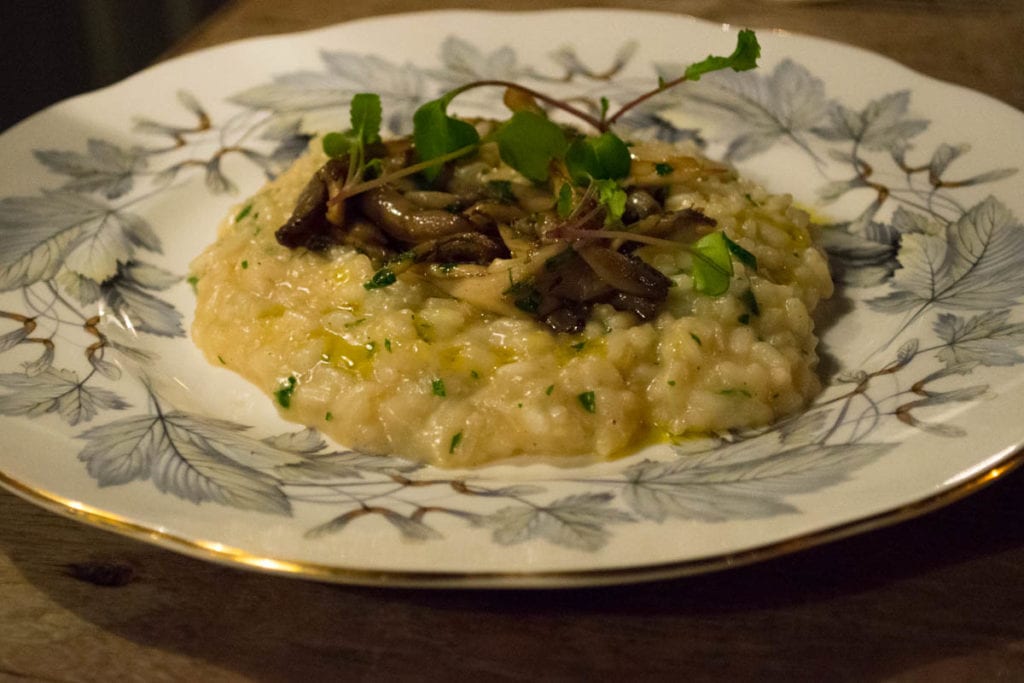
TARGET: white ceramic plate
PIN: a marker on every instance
(109, 413)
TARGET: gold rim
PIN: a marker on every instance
(222, 554)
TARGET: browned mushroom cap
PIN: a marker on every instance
(626, 273)
(407, 223)
(309, 225)
(464, 247)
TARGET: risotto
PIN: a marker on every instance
(461, 364)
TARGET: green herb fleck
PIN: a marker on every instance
(193, 281)
(221, 359)
(245, 264)
(474, 374)
(284, 394)
(525, 296)
(741, 254)
(696, 339)
(671, 382)
(744, 319)
(589, 401)
(387, 345)
(750, 301)
(243, 213)
(328, 416)
(382, 278)
(663, 169)
(456, 440)
(437, 388)
(735, 392)
(578, 346)
(551, 387)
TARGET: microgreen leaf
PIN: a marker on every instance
(366, 116)
(712, 265)
(528, 142)
(436, 134)
(336, 144)
(604, 157)
(744, 57)
(612, 197)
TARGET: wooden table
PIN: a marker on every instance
(937, 598)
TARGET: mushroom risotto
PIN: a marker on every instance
(607, 297)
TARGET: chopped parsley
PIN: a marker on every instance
(245, 264)
(456, 440)
(588, 400)
(437, 388)
(193, 281)
(696, 339)
(551, 387)
(284, 394)
(328, 416)
(243, 213)
(382, 278)
(663, 169)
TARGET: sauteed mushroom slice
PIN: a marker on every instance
(402, 220)
(463, 247)
(626, 273)
(314, 224)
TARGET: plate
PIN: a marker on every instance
(109, 414)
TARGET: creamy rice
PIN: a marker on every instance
(409, 370)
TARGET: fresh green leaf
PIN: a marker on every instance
(712, 265)
(605, 157)
(612, 197)
(744, 57)
(436, 134)
(366, 116)
(528, 142)
(336, 144)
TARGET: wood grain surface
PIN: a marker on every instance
(939, 598)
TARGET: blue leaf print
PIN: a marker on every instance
(882, 125)
(785, 104)
(578, 522)
(105, 167)
(974, 265)
(55, 391)
(986, 339)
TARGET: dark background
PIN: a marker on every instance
(53, 49)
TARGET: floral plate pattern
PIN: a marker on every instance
(108, 412)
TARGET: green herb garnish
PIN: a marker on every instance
(437, 388)
(284, 394)
(588, 400)
(456, 440)
(243, 213)
(382, 278)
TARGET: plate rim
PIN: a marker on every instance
(994, 468)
